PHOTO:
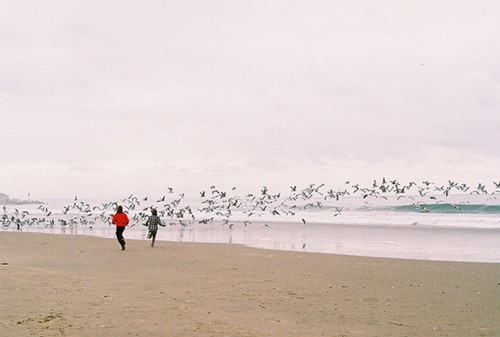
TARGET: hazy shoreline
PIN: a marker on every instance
(408, 242)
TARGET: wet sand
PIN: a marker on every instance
(73, 285)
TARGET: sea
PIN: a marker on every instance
(460, 227)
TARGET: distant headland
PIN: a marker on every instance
(6, 200)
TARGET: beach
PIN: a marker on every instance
(77, 285)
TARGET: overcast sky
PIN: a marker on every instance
(108, 98)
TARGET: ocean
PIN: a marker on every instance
(428, 226)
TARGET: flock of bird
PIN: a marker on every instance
(218, 205)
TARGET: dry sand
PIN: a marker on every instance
(68, 285)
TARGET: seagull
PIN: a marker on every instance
(421, 192)
(481, 187)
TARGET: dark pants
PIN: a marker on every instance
(119, 235)
(153, 235)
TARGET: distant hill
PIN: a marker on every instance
(6, 200)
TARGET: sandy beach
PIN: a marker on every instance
(75, 285)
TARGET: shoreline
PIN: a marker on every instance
(78, 285)
(428, 244)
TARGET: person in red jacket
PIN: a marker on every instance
(121, 220)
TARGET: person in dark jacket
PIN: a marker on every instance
(152, 224)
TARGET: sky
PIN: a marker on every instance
(108, 98)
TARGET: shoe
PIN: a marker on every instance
(149, 235)
(123, 247)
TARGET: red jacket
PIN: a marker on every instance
(120, 219)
